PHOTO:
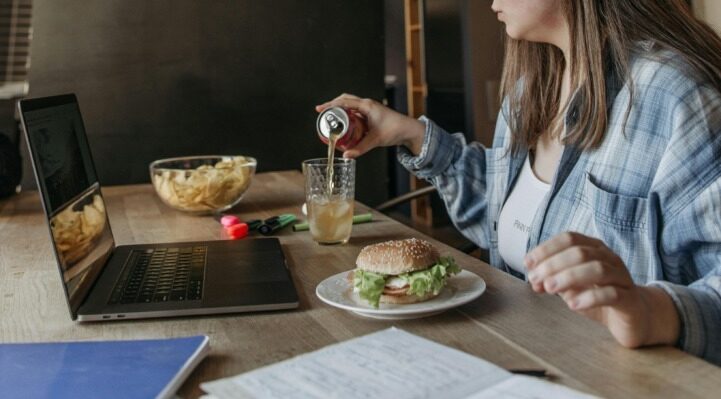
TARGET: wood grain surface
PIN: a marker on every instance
(508, 325)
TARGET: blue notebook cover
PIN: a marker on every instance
(102, 369)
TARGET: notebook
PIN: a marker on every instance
(101, 369)
(390, 363)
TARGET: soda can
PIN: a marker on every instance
(348, 124)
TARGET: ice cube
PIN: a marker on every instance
(341, 208)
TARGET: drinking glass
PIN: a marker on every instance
(329, 197)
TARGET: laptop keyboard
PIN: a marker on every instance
(161, 275)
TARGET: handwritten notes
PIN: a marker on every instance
(387, 364)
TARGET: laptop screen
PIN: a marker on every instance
(70, 191)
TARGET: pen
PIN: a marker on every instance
(254, 224)
(541, 373)
(270, 225)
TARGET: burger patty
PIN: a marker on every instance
(395, 291)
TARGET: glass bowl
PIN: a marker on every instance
(202, 185)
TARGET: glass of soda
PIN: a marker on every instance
(329, 194)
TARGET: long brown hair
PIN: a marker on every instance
(599, 29)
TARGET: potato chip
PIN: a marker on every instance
(75, 232)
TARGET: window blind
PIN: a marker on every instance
(15, 37)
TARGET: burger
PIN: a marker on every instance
(401, 272)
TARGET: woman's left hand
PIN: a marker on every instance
(594, 281)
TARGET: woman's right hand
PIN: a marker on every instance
(385, 126)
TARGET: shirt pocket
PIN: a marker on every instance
(621, 221)
(614, 210)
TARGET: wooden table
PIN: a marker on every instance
(508, 325)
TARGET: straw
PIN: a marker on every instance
(362, 218)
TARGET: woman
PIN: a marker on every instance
(603, 183)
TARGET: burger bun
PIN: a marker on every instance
(397, 257)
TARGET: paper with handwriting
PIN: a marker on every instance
(390, 363)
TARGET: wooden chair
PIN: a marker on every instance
(467, 247)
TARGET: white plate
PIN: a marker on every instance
(461, 289)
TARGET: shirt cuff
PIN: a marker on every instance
(437, 152)
(688, 302)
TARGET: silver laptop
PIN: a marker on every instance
(103, 281)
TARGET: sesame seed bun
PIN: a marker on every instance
(397, 257)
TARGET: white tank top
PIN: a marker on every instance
(514, 223)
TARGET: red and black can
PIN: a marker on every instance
(348, 124)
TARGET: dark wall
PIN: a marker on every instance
(483, 40)
(181, 77)
(395, 53)
(445, 103)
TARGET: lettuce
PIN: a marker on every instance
(370, 285)
(432, 279)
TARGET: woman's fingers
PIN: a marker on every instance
(368, 143)
(578, 267)
(363, 105)
(607, 295)
(343, 96)
(557, 244)
(346, 95)
(587, 274)
(562, 260)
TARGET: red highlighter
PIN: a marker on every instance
(237, 231)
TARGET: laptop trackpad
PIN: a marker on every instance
(251, 270)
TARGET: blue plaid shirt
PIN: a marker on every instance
(652, 193)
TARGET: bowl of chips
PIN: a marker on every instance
(202, 185)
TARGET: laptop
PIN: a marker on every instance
(105, 281)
